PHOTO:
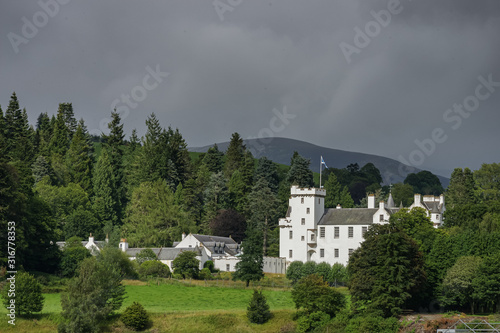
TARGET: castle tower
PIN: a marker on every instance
(298, 230)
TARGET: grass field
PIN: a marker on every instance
(176, 307)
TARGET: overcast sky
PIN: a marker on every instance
(326, 72)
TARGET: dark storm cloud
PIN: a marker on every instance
(227, 76)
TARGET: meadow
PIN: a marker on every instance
(176, 307)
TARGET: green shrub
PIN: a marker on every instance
(135, 317)
(258, 309)
(205, 274)
(210, 265)
(26, 292)
(154, 268)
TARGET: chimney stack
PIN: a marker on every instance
(371, 200)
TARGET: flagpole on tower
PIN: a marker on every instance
(320, 170)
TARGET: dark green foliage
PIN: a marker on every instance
(59, 142)
(263, 204)
(308, 268)
(145, 255)
(234, 155)
(94, 294)
(258, 309)
(312, 294)
(79, 159)
(323, 269)
(487, 179)
(113, 256)
(41, 168)
(210, 265)
(154, 268)
(425, 182)
(26, 292)
(135, 317)
(386, 270)
(486, 284)
(333, 189)
(205, 274)
(402, 194)
(72, 255)
(81, 222)
(229, 223)
(252, 260)
(312, 321)
(294, 271)
(213, 159)
(299, 173)
(461, 190)
(105, 202)
(267, 169)
(186, 265)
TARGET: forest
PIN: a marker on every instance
(57, 182)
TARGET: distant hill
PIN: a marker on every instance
(280, 150)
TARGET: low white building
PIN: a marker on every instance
(311, 233)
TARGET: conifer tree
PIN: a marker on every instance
(250, 267)
(69, 118)
(346, 200)
(461, 190)
(3, 148)
(79, 160)
(59, 142)
(152, 165)
(234, 155)
(332, 187)
(43, 134)
(18, 134)
(105, 205)
(267, 169)
(258, 309)
(213, 159)
(263, 203)
(299, 173)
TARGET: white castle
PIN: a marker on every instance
(311, 233)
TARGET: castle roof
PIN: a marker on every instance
(348, 216)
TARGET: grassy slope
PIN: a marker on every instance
(176, 308)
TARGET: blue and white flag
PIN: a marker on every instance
(323, 162)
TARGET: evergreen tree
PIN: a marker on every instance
(41, 168)
(216, 197)
(69, 118)
(262, 202)
(43, 134)
(346, 200)
(299, 173)
(79, 160)
(333, 191)
(234, 155)
(152, 163)
(237, 193)
(213, 159)
(179, 157)
(105, 203)
(267, 169)
(461, 190)
(59, 142)
(250, 267)
(258, 309)
(3, 143)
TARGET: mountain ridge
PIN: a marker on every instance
(280, 150)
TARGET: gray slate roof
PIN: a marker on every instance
(348, 216)
(164, 253)
(209, 239)
(432, 206)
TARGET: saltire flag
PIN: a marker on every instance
(323, 162)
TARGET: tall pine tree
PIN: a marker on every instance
(234, 155)
(79, 160)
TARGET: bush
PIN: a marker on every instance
(210, 265)
(154, 268)
(135, 317)
(28, 293)
(205, 274)
(186, 265)
(145, 255)
(310, 322)
(258, 309)
(293, 272)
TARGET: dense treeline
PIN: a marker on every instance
(58, 182)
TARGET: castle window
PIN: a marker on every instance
(381, 218)
(336, 253)
(312, 237)
(351, 232)
(322, 232)
(364, 230)
(303, 221)
(227, 267)
(290, 252)
(336, 232)
(319, 200)
(437, 216)
(322, 253)
(308, 210)
(351, 251)
(301, 200)
(291, 234)
(302, 238)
